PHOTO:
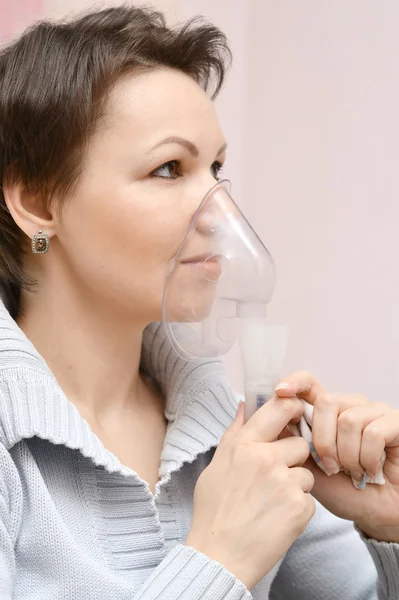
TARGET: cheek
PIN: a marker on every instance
(118, 248)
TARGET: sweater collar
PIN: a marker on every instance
(199, 403)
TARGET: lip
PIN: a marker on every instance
(208, 264)
(202, 258)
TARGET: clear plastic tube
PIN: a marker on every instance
(263, 348)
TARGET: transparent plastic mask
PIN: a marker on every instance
(221, 273)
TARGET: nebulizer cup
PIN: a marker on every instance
(219, 285)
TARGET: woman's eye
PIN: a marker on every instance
(216, 169)
(170, 170)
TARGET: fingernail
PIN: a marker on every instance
(361, 483)
(282, 386)
(330, 464)
(358, 477)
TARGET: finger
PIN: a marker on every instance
(301, 384)
(292, 451)
(327, 408)
(378, 435)
(236, 424)
(351, 424)
(268, 422)
(303, 477)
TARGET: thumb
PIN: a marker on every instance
(237, 423)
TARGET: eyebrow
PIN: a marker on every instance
(192, 148)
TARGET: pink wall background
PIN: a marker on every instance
(310, 111)
(15, 15)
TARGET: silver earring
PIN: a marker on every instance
(40, 243)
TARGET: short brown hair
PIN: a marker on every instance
(54, 83)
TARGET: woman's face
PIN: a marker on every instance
(157, 152)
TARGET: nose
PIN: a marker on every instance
(208, 221)
(216, 209)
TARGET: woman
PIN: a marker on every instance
(108, 141)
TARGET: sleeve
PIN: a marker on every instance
(330, 560)
(386, 559)
(189, 575)
(10, 518)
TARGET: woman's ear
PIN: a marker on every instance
(29, 210)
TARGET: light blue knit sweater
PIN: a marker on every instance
(76, 523)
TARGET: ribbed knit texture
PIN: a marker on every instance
(76, 523)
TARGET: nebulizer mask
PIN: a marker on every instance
(217, 291)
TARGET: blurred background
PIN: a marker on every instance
(310, 111)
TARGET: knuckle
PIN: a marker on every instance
(290, 408)
(325, 401)
(260, 457)
(296, 375)
(299, 508)
(287, 405)
(280, 479)
(304, 374)
(311, 479)
(348, 420)
(307, 509)
(372, 433)
(360, 399)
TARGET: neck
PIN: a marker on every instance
(94, 354)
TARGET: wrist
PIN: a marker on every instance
(388, 533)
(236, 568)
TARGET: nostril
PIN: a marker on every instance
(208, 224)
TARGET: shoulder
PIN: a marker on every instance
(28, 400)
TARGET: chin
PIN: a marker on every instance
(192, 306)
